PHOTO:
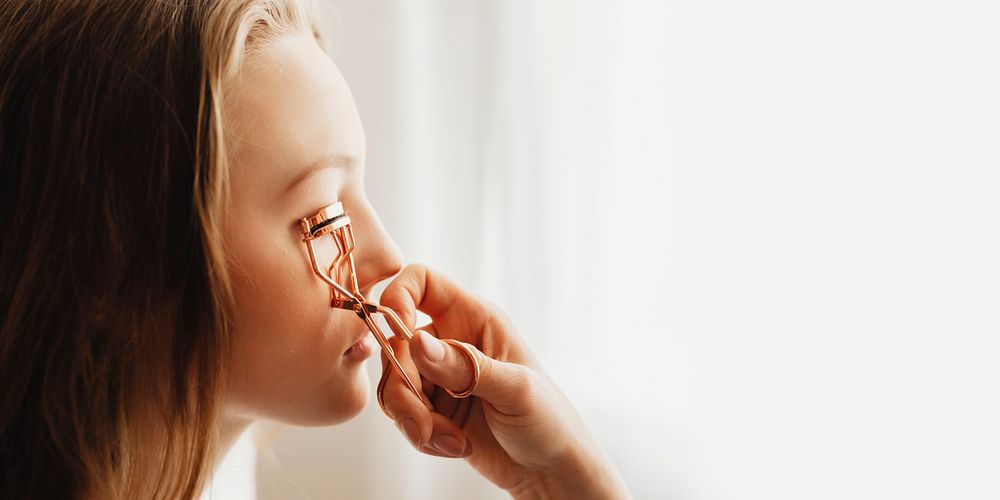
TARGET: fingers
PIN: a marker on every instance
(396, 396)
(427, 431)
(508, 387)
(446, 439)
(417, 287)
(442, 438)
(444, 406)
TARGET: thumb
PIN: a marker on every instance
(506, 386)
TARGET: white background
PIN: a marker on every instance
(757, 243)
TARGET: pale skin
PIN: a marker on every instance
(296, 144)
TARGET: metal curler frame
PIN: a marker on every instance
(333, 220)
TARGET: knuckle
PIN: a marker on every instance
(491, 308)
(412, 275)
(522, 380)
(521, 385)
(416, 268)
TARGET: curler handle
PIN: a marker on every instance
(395, 323)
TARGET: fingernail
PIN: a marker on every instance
(449, 445)
(433, 350)
(409, 428)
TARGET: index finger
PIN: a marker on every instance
(418, 287)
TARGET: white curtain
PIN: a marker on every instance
(756, 242)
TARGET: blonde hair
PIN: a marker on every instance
(114, 296)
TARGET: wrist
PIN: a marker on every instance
(583, 474)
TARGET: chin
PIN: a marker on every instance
(344, 402)
(340, 399)
(353, 406)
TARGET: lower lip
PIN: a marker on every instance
(360, 351)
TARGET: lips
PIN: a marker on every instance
(361, 350)
(358, 340)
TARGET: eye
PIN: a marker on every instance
(326, 220)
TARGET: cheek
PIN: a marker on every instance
(288, 342)
(274, 289)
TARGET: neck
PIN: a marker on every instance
(229, 431)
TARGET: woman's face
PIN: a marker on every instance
(295, 145)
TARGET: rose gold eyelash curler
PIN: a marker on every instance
(333, 220)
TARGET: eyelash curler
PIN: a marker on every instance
(334, 221)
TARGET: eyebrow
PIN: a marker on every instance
(323, 163)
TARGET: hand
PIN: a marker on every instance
(518, 430)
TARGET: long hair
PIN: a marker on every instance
(114, 296)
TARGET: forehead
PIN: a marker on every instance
(287, 108)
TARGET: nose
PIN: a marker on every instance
(376, 254)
